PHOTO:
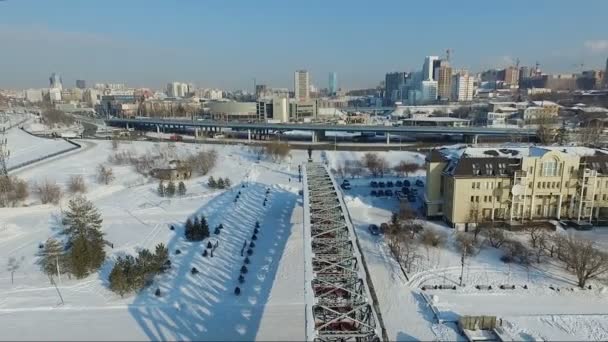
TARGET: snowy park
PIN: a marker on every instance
(246, 277)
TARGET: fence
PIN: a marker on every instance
(29, 162)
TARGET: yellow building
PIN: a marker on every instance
(467, 185)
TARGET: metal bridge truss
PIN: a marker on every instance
(341, 310)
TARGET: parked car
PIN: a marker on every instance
(401, 196)
(419, 183)
(373, 229)
(405, 190)
(346, 182)
(389, 193)
(389, 184)
(345, 186)
(406, 183)
(381, 184)
(398, 183)
(411, 198)
(374, 193)
(380, 193)
(373, 184)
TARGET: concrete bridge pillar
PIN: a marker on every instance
(388, 138)
(249, 135)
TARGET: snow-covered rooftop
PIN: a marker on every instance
(514, 151)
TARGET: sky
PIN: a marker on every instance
(229, 43)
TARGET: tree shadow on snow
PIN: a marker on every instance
(204, 306)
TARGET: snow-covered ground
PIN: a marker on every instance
(271, 305)
(25, 147)
(528, 314)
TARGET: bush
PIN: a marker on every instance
(205, 253)
(515, 251)
(157, 293)
(170, 190)
(237, 291)
(251, 244)
(12, 191)
(209, 245)
(249, 251)
(203, 161)
(432, 237)
(244, 269)
(466, 244)
(241, 279)
(76, 185)
(194, 271)
(49, 192)
(105, 175)
(177, 252)
(247, 261)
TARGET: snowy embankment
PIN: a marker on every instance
(25, 147)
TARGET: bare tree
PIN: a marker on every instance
(432, 237)
(589, 134)
(405, 168)
(277, 150)
(105, 175)
(545, 133)
(203, 161)
(76, 185)
(375, 164)
(495, 236)
(49, 192)
(586, 261)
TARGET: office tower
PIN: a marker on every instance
(55, 81)
(428, 89)
(428, 69)
(81, 84)
(333, 83)
(443, 74)
(302, 85)
(393, 84)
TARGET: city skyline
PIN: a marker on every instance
(215, 44)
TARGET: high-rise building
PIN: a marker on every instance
(393, 85)
(301, 85)
(428, 69)
(511, 76)
(428, 90)
(463, 86)
(55, 81)
(444, 81)
(81, 84)
(333, 83)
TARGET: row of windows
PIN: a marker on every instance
(487, 185)
(548, 185)
(486, 199)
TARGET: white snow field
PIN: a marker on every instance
(191, 307)
(536, 313)
(25, 147)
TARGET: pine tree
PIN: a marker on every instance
(82, 218)
(181, 189)
(161, 256)
(188, 228)
(170, 191)
(161, 189)
(204, 228)
(211, 183)
(196, 231)
(118, 279)
(227, 182)
(221, 184)
(53, 258)
(83, 221)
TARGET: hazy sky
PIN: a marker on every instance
(223, 43)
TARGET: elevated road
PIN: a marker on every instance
(319, 128)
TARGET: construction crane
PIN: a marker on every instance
(517, 63)
(448, 53)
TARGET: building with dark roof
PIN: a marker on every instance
(470, 186)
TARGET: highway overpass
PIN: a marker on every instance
(318, 129)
